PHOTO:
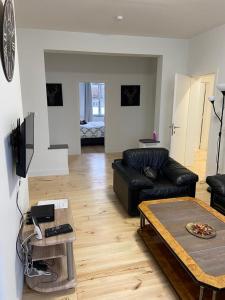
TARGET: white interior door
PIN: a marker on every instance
(206, 114)
(180, 117)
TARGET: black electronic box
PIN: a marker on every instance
(43, 213)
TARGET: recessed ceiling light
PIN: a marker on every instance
(119, 18)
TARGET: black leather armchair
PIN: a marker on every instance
(132, 187)
(217, 184)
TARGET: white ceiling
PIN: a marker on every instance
(162, 18)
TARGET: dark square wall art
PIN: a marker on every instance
(54, 94)
(130, 95)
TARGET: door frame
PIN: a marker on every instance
(197, 79)
(211, 79)
(97, 79)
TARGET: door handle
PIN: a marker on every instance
(173, 127)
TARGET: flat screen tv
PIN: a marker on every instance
(24, 145)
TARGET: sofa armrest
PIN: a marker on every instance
(134, 179)
(178, 174)
(217, 183)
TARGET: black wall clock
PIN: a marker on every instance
(8, 40)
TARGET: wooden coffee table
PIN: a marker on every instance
(195, 267)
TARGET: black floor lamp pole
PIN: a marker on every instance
(220, 131)
(220, 135)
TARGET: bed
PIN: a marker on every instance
(92, 133)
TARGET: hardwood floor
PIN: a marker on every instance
(93, 149)
(112, 261)
(199, 164)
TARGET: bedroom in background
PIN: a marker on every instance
(92, 116)
(104, 75)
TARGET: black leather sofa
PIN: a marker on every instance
(132, 187)
(217, 184)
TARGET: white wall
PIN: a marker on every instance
(11, 275)
(206, 55)
(32, 44)
(33, 85)
(124, 125)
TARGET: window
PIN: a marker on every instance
(98, 99)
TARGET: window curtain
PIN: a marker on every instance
(88, 114)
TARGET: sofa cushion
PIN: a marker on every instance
(150, 173)
(134, 179)
(178, 174)
(138, 159)
(163, 188)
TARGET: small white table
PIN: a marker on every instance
(148, 143)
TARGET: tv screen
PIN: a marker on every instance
(25, 145)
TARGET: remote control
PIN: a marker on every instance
(61, 229)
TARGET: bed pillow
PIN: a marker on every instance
(83, 122)
(150, 173)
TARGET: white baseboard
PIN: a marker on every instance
(55, 172)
